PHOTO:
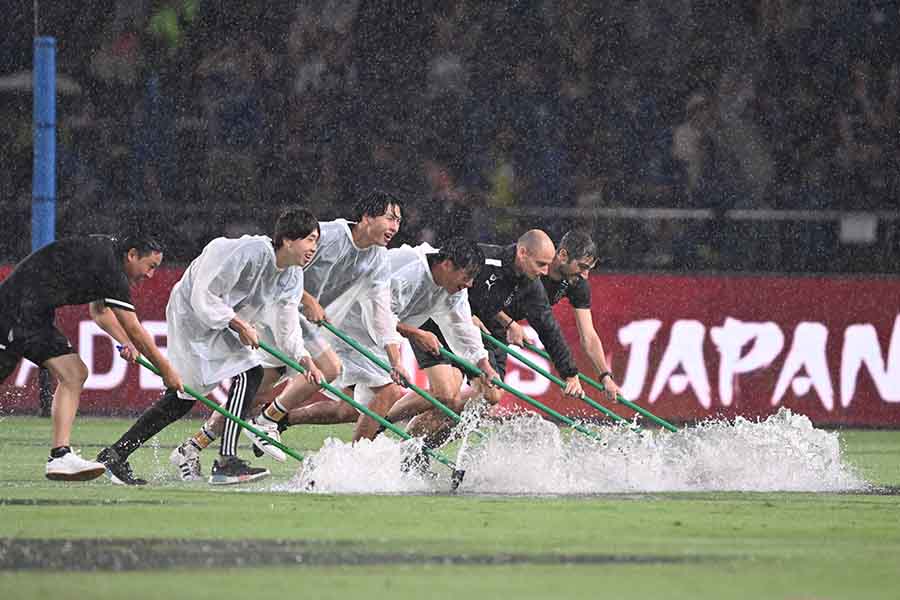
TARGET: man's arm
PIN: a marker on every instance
(398, 373)
(289, 338)
(540, 317)
(108, 322)
(144, 343)
(425, 340)
(515, 333)
(593, 347)
(312, 310)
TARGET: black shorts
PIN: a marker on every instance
(38, 341)
(426, 359)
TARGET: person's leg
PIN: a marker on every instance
(324, 412)
(408, 406)
(63, 464)
(299, 392)
(498, 360)
(215, 423)
(444, 382)
(162, 413)
(240, 397)
(381, 401)
(432, 425)
(44, 345)
(228, 468)
(186, 456)
(70, 373)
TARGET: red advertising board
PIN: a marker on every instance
(685, 347)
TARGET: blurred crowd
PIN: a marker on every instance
(207, 115)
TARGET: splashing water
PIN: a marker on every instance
(528, 455)
(366, 467)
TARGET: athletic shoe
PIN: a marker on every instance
(282, 427)
(118, 469)
(71, 467)
(230, 470)
(187, 458)
(270, 428)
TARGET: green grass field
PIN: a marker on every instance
(660, 545)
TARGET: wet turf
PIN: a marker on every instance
(172, 539)
(149, 553)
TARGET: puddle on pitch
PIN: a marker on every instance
(527, 455)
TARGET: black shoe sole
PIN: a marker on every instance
(236, 479)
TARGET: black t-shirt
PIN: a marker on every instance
(68, 271)
(578, 293)
(497, 283)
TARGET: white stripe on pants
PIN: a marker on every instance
(235, 405)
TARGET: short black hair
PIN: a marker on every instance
(578, 244)
(464, 254)
(294, 224)
(375, 205)
(144, 243)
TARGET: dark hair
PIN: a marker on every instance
(374, 205)
(145, 244)
(294, 224)
(464, 254)
(578, 244)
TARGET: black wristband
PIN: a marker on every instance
(603, 375)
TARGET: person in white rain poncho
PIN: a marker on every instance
(350, 262)
(212, 316)
(426, 283)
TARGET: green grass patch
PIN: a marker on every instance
(725, 545)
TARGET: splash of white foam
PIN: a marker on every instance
(528, 455)
(366, 467)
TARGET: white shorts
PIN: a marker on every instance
(362, 394)
(356, 369)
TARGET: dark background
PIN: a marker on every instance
(764, 124)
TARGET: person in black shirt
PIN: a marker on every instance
(94, 270)
(509, 273)
(567, 277)
(529, 300)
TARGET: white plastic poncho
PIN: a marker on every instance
(415, 298)
(341, 272)
(232, 277)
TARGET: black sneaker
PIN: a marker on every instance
(118, 469)
(230, 470)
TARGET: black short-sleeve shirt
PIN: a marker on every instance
(68, 271)
(578, 293)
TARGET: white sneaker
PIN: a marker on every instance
(270, 428)
(71, 467)
(187, 458)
